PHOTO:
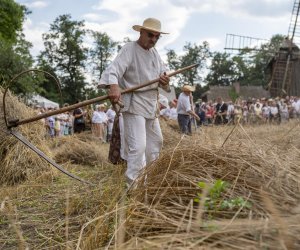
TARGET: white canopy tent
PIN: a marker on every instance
(43, 102)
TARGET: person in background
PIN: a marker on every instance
(210, 113)
(221, 112)
(79, 122)
(110, 113)
(49, 123)
(164, 109)
(274, 112)
(230, 112)
(203, 109)
(139, 62)
(185, 110)
(284, 112)
(99, 121)
(173, 110)
(57, 126)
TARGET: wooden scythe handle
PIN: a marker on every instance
(17, 122)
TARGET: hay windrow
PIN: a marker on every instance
(18, 162)
(79, 149)
(162, 212)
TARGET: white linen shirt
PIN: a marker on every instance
(173, 114)
(99, 117)
(183, 104)
(110, 115)
(132, 67)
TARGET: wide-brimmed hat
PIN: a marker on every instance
(187, 87)
(102, 105)
(151, 24)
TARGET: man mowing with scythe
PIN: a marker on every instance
(139, 62)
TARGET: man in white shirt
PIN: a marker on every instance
(185, 109)
(297, 107)
(111, 117)
(99, 121)
(164, 109)
(138, 62)
(173, 110)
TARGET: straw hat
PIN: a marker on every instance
(188, 88)
(151, 24)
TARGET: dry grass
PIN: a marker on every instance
(260, 164)
(79, 149)
(18, 162)
(161, 212)
(52, 213)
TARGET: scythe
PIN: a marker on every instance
(10, 124)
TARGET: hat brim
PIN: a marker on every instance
(139, 27)
(188, 89)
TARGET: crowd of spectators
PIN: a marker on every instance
(251, 111)
(99, 119)
(217, 112)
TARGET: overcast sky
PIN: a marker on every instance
(192, 21)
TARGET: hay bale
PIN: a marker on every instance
(79, 149)
(18, 162)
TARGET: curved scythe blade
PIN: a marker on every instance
(45, 157)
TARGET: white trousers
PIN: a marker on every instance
(142, 142)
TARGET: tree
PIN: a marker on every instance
(14, 59)
(222, 70)
(102, 52)
(50, 85)
(12, 16)
(194, 54)
(14, 49)
(64, 50)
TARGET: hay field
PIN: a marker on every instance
(222, 188)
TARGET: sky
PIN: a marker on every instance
(191, 21)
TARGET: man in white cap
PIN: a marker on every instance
(185, 109)
(139, 62)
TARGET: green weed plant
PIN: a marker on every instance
(215, 200)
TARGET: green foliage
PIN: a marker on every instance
(102, 52)
(50, 88)
(233, 95)
(14, 49)
(12, 16)
(14, 59)
(215, 201)
(193, 54)
(65, 52)
(223, 70)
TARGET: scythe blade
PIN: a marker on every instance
(22, 139)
